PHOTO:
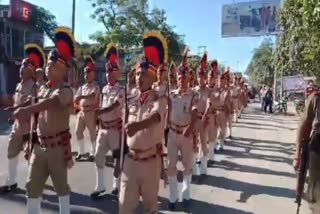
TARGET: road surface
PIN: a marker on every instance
(253, 174)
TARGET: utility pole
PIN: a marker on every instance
(73, 15)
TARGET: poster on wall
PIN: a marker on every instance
(245, 19)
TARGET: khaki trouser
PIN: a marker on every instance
(176, 143)
(140, 178)
(222, 120)
(107, 140)
(16, 140)
(86, 120)
(46, 162)
(212, 128)
(315, 207)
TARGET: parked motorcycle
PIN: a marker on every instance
(299, 106)
(281, 106)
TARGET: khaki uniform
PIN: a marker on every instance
(235, 100)
(312, 118)
(217, 118)
(40, 84)
(19, 130)
(202, 135)
(23, 92)
(180, 119)
(142, 165)
(86, 118)
(110, 127)
(50, 156)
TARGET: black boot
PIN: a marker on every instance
(186, 203)
(97, 194)
(8, 188)
(115, 191)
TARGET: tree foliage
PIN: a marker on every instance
(126, 21)
(261, 67)
(298, 48)
(44, 21)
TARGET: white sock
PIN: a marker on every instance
(186, 186)
(93, 148)
(173, 189)
(33, 206)
(12, 170)
(64, 204)
(81, 147)
(100, 175)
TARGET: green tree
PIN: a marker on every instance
(44, 21)
(261, 68)
(126, 22)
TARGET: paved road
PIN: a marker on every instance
(253, 175)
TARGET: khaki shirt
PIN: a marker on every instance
(161, 89)
(234, 92)
(150, 137)
(111, 95)
(182, 106)
(202, 95)
(39, 85)
(217, 99)
(24, 91)
(55, 119)
(87, 89)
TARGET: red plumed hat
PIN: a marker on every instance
(173, 71)
(214, 68)
(155, 48)
(111, 55)
(184, 66)
(89, 64)
(35, 56)
(65, 46)
(203, 65)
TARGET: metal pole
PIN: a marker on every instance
(73, 15)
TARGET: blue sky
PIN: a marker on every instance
(198, 20)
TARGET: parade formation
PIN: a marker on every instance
(163, 111)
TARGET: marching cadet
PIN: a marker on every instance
(202, 92)
(183, 117)
(192, 82)
(210, 117)
(231, 91)
(142, 164)
(52, 155)
(161, 86)
(110, 115)
(20, 130)
(87, 96)
(225, 109)
(235, 98)
(172, 77)
(308, 133)
(241, 96)
(132, 85)
(39, 78)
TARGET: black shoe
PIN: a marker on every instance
(230, 137)
(210, 163)
(96, 194)
(186, 203)
(171, 206)
(91, 158)
(79, 157)
(115, 191)
(8, 189)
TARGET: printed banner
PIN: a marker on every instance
(245, 19)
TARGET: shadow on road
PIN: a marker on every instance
(197, 206)
(227, 165)
(261, 124)
(247, 189)
(260, 127)
(252, 145)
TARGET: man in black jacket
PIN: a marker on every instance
(268, 100)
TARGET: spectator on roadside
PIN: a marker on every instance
(268, 100)
(262, 97)
(310, 89)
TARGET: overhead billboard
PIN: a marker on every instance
(245, 19)
(294, 83)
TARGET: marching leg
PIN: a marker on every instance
(33, 206)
